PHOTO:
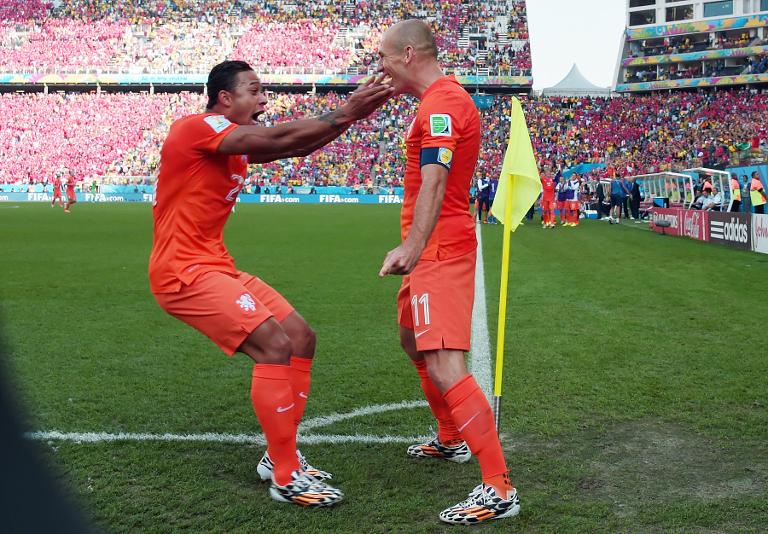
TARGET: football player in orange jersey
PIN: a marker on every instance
(203, 167)
(437, 258)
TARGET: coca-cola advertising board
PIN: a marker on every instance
(671, 215)
(730, 229)
(760, 233)
(695, 224)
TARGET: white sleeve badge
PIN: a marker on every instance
(440, 125)
(218, 123)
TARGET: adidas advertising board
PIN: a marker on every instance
(730, 229)
(760, 233)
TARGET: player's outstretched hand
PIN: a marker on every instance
(401, 260)
(368, 97)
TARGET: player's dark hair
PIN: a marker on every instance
(222, 78)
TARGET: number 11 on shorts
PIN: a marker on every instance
(424, 301)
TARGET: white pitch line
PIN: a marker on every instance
(257, 439)
(480, 356)
(245, 439)
(325, 420)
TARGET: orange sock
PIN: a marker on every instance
(273, 403)
(472, 414)
(300, 378)
(446, 428)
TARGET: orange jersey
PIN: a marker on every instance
(196, 190)
(548, 188)
(448, 120)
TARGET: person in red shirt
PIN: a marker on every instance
(437, 258)
(548, 199)
(71, 195)
(57, 191)
(203, 166)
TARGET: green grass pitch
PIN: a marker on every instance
(635, 394)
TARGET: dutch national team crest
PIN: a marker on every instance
(246, 302)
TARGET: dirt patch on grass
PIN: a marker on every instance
(661, 461)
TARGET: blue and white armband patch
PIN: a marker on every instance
(439, 156)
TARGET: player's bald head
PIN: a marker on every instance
(414, 33)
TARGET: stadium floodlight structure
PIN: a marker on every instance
(719, 179)
(671, 187)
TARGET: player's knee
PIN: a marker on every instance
(445, 368)
(276, 352)
(301, 334)
(279, 348)
(268, 344)
(305, 341)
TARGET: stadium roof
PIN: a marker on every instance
(575, 84)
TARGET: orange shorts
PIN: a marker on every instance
(547, 205)
(225, 308)
(435, 301)
(573, 205)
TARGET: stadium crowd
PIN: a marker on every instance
(694, 43)
(117, 137)
(23, 10)
(60, 45)
(187, 36)
(649, 133)
(84, 133)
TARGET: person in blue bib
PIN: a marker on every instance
(618, 195)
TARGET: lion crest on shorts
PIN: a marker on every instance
(246, 302)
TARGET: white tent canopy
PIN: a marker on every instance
(575, 84)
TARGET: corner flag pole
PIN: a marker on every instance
(519, 187)
(502, 311)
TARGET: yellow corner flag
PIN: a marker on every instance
(519, 187)
(519, 182)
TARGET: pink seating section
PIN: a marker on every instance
(189, 36)
(120, 135)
